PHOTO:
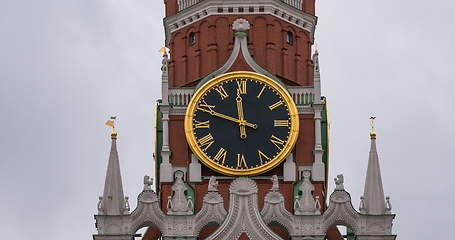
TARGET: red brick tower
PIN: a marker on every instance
(202, 45)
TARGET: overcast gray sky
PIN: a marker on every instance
(66, 66)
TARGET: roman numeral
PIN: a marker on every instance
(220, 155)
(241, 86)
(277, 142)
(260, 93)
(273, 106)
(262, 155)
(281, 123)
(198, 124)
(222, 92)
(241, 163)
(206, 141)
(203, 106)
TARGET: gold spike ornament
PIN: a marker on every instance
(111, 123)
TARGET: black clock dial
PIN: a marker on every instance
(241, 123)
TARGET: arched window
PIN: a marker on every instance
(289, 38)
(192, 38)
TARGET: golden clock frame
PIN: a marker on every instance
(189, 133)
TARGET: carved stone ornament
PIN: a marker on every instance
(148, 182)
(213, 184)
(179, 203)
(241, 25)
(339, 182)
(243, 216)
(164, 63)
(306, 204)
(275, 184)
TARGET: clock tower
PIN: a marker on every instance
(241, 96)
(241, 136)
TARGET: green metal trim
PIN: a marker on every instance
(325, 131)
(191, 193)
(158, 144)
(350, 234)
(296, 192)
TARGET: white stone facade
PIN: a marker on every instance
(244, 216)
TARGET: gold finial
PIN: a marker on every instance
(111, 123)
(163, 49)
(372, 133)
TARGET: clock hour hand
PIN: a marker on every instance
(238, 99)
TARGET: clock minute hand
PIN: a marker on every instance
(235, 120)
(212, 112)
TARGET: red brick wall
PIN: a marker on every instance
(214, 43)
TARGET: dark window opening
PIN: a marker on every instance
(289, 38)
(220, 10)
(261, 9)
(251, 9)
(230, 9)
(240, 9)
(192, 38)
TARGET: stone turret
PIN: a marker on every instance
(373, 200)
(113, 201)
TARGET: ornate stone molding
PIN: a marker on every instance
(148, 213)
(339, 212)
(243, 215)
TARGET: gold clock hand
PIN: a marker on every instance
(229, 118)
(240, 113)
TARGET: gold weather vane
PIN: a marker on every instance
(372, 124)
(163, 49)
(111, 123)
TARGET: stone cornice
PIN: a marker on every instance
(208, 8)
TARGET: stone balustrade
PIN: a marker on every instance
(295, 3)
(184, 4)
(302, 95)
(180, 96)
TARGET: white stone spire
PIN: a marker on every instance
(374, 201)
(113, 200)
(318, 171)
(316, 77)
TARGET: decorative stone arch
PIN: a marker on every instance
(341, 212)
(274, 211)
(275, 225)
(212, 212)
(243, 215)
(147, 213)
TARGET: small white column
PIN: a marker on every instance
(165, 166)
(289, 169)
(318, 171)
(195, 169)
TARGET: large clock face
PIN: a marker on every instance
(241, 123)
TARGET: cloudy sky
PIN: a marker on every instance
(66, 66)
